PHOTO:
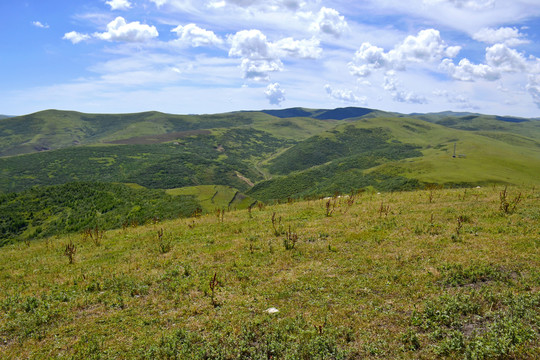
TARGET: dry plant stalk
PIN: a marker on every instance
(508, 206)
(384, 209)
(213, 284)
(70, 251)
(94, 234)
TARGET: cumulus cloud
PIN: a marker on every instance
(261, 56)
(505, 59)
(119, 4)
(76, 37)
(120, 30)
(251, 44)
(426, 46)
(504, 35)
(329, 21)
(39, 24)
(195, 36)
(275, 94)
(499, 59)
(258, 70)
(303, 49)
(258, 55)
(467, 71)
(344, 95)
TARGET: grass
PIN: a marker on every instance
(212, 197)
(356, 285)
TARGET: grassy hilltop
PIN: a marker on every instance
(245, 157)
(440, 273)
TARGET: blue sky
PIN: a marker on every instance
(209, 56)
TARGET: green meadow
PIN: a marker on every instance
(427, 274)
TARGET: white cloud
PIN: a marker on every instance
(275, 94)
(344, 95)
(505, 59)
(192, 35)
(392, 85)
(453, 97)
(251, 44)
(426, 47)
(329, 21)
(258, 70)
(533, 87)
(499, 59)
(268, 4)
(303, 49)
(467, 4)
(40, 25)
(409, 97)
(76, 37)
(505, 35)
(467, 71)
(257, 53)
(120, 30)
(119, 4)
(261, 57)
(160, 3)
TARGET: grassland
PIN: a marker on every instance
(272, 154)
(215, 197)
(428, 274)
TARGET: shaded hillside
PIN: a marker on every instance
(321, 114)
(74, 207)
(195, 160)
(340, 143)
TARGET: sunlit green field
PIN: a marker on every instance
(426, 274)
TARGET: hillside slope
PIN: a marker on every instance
(399, 153)
(436, 274)
(290, 152)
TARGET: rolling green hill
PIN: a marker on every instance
(399, 153)
(53, 129)
(272, 154)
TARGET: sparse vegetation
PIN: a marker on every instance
(354, 285)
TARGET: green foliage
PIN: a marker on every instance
(74, 207)
(343, 143)
(262, 338)
(340, 176)
(195, 160)
(459, 275)
(479, 324)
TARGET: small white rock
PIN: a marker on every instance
(271, 310)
